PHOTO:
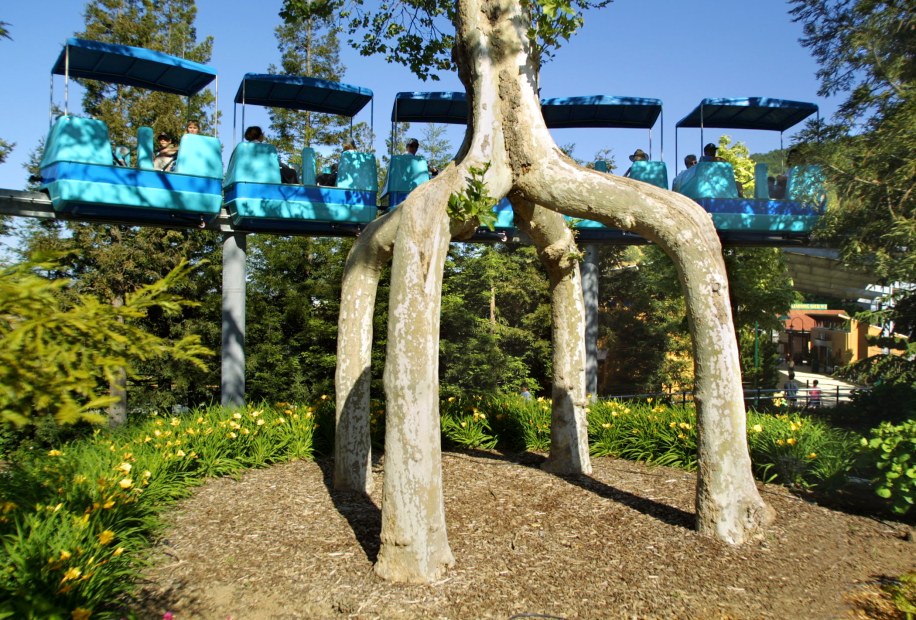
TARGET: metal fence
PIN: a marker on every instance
(758, 397)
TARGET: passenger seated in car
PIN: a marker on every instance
(166, 153)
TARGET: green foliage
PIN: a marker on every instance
(739, 157)
(892, 450)
(416, 33)
(643, 431)
(865, 50)
(891, 395)
(495, 325)
(466, 426)
(57, 347)
(75, 520)
(475, 201)
(794, 450)
(165, 26)
(903, 593)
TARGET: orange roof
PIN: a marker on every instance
(803, 320)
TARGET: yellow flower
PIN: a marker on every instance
(108, 505)
(125, 468)
(244, 431)
(200, 419)
(106, 537)
(180, 453)
(147, 473)
(64, 555)
(157, 433)
(55, 453)
(793, 426)
(175, 421)
(8, 507)
(779, 442)
(451, 399)
(126, 483)
(791, 441)
(117, 552)
(672, 425)
(260, 421)
(80, 613)
(324, 397)
(813, 455)
(72, 573)
(606, 425)
(237, 415)
(232, 435)
(681, 436)
(757, 428)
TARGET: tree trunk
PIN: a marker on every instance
(352, 441)
(506, 130)
(559, 255)
(117, 387)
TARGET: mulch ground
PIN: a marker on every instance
(280, 544)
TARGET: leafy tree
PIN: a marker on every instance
(164, 26)
(739, 157)
(309, 48)
(498, 47)
(495, 321)
(57, 346)
(865, 50)
(775, 161)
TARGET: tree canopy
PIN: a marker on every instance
(418, 33)
(867, 50)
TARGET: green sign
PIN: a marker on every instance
(809, 306)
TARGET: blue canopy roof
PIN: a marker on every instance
(446, 107)
(601, 111)
(749, 113)
(297, 92)
(132, 66)
(569, 112)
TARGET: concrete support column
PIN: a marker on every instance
(232, 388)
(589, 269)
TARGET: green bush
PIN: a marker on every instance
(893, 452)
(795, 450)
(74, 518)
(644, 431)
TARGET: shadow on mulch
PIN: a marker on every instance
(365, 518)
(662, 512)
(361, 513)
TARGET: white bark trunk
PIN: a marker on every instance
(559, 255)
(352, 442)
(506, 129)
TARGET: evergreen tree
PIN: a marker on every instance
(163, 26)
(866, 50)
(114, 260)
(309, 48)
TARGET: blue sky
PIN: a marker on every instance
(679, 52)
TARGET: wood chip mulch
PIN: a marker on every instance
(281, 544)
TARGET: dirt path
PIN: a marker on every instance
(277, 544)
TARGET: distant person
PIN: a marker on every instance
(525, 393)
(193, 127)
(791, 390)
(288, 174)
(778, 191)
(814, 395)
(710, 153)
(689, 162)
(638, 155)
(411, 147)
(166, 153)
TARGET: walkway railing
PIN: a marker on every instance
(830, 396)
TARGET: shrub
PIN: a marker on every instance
(893, 452)
(794, 450)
